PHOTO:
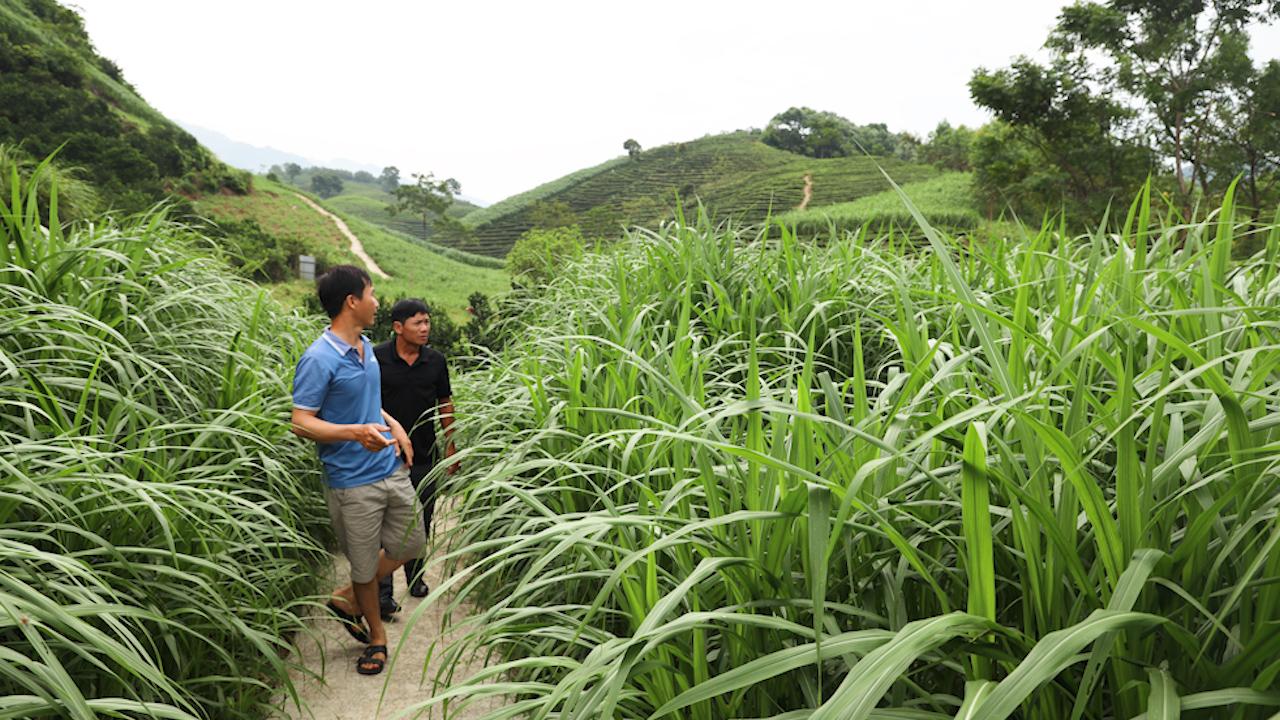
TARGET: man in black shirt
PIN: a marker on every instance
(416, 392)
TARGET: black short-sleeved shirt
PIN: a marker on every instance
(410, 394)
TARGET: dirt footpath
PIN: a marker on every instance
(330, 687)
(357, 248)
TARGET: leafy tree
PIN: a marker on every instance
(362, 176)
(1250, 120)
(541, 252)
(546, 215)
(823, 134)
(1088, 136)
(1181, 68)
(326, 184)
(948, 147)
(390, 178)
(873, 139)
(1010, 171)
(632, 147)
(428, 198)
(805, 131)
(907, 147)
(292, 170)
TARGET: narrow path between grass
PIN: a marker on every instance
(324, 665)
(356, 247)
(808, 192)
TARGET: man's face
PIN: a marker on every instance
(364, 309)
(414, 330)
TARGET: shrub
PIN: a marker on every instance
(540, 253)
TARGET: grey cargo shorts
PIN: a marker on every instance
(383, 514)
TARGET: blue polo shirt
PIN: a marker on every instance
(342, 388)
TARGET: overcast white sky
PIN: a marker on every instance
(506, 95)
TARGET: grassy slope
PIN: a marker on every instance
(418, 272)
(369, 201)
(280, 213)
(415, 269)
(946, 200)
(735, 175)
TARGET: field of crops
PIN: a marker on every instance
(725, 477)
(947, 201)
(157, 519)
(735, 175)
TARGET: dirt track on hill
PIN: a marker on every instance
(357, 248)
(808, 192)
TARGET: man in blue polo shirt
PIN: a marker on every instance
(337, 401)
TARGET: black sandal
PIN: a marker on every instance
(353, 624)
(367, 658)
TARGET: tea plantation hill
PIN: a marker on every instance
(58, 94)
(735, 175)
(368, 201)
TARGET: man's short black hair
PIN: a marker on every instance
(405, 309)
(334, 286)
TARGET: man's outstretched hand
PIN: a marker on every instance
(370, 436)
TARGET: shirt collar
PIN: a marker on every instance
(394, 352)
(338, 343)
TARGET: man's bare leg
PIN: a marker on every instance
(349, 599)
(362, 598)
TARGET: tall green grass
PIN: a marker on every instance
(155, 512)
(1030, 477)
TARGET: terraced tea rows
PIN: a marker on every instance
(735, 175)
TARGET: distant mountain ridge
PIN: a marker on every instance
(243, 155)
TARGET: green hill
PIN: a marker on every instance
(440, 275)
(57, 92)
(735, 175)
(946, 200)
(368, 201)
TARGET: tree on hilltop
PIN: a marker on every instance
(326, 185)
(632, 147)
(292, 170)
(821, 134)
(390, 178)
(426, 197)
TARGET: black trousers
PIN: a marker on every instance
(427, 495)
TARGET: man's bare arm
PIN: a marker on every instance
(445, 410)
(404, 447)
(306, 424)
